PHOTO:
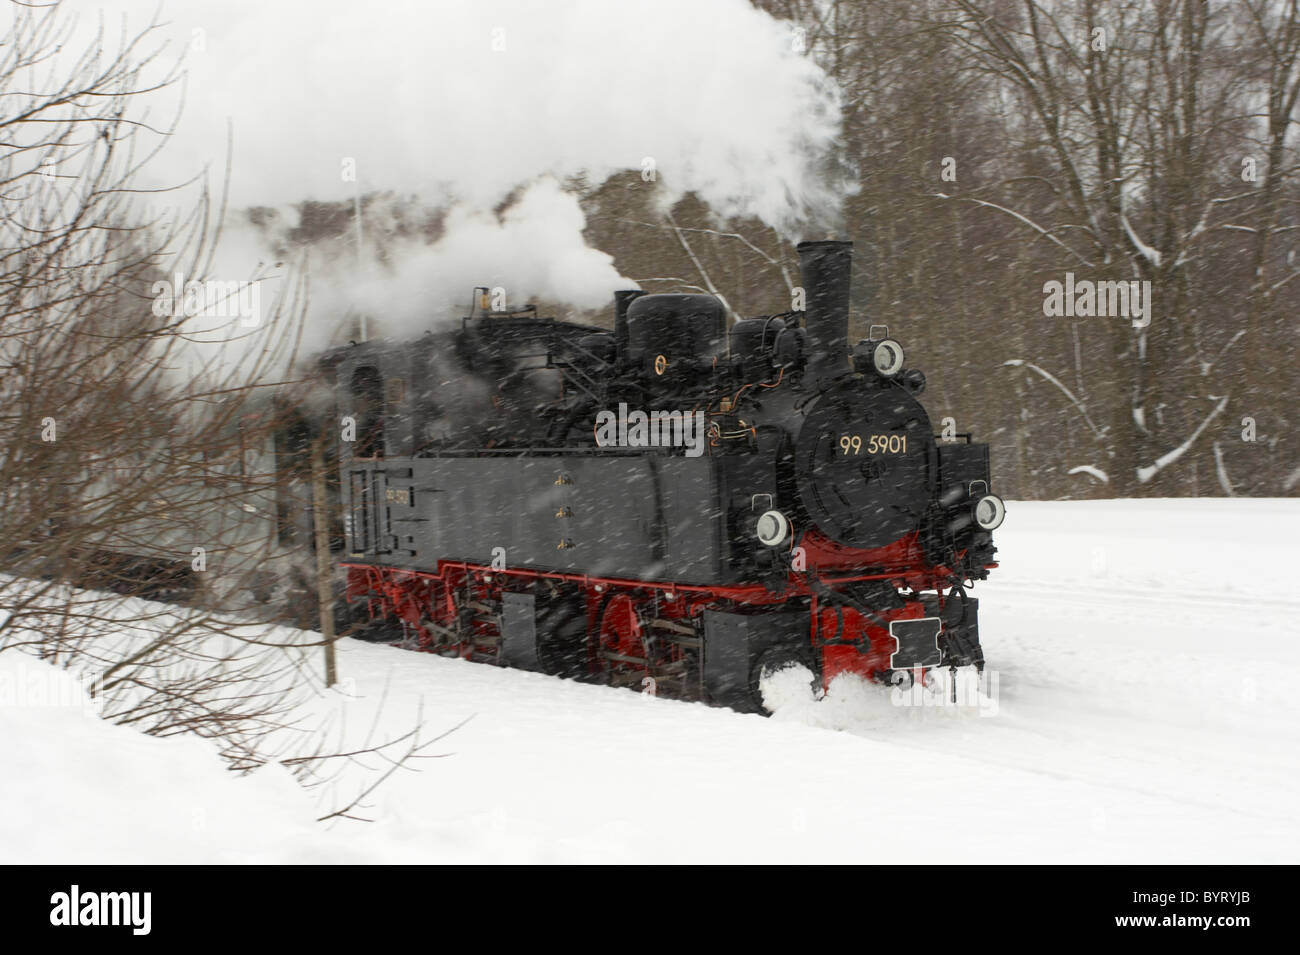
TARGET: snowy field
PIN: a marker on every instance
(1144, 706)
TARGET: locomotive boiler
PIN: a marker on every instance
(672, 504)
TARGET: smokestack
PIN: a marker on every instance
(622, 299)
(826, 269)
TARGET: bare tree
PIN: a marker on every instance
(1142, 113)
(138, 430)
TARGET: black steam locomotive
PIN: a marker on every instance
(672, 504)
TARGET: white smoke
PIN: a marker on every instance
(464, 103)
(535, 247)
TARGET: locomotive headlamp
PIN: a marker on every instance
(887, 358)
(989, 512)
(772, 528)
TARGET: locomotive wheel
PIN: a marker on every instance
(621, 648)
(773, 673)
(562, 636)
(382, 630)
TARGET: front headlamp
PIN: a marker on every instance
(990, 510)
(772, 528)
(887, 358)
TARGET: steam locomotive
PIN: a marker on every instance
(673, 504)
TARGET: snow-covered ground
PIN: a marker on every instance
(1143, 706)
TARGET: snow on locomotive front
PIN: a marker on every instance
(671, 505)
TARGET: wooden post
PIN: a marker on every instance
(324, 585)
